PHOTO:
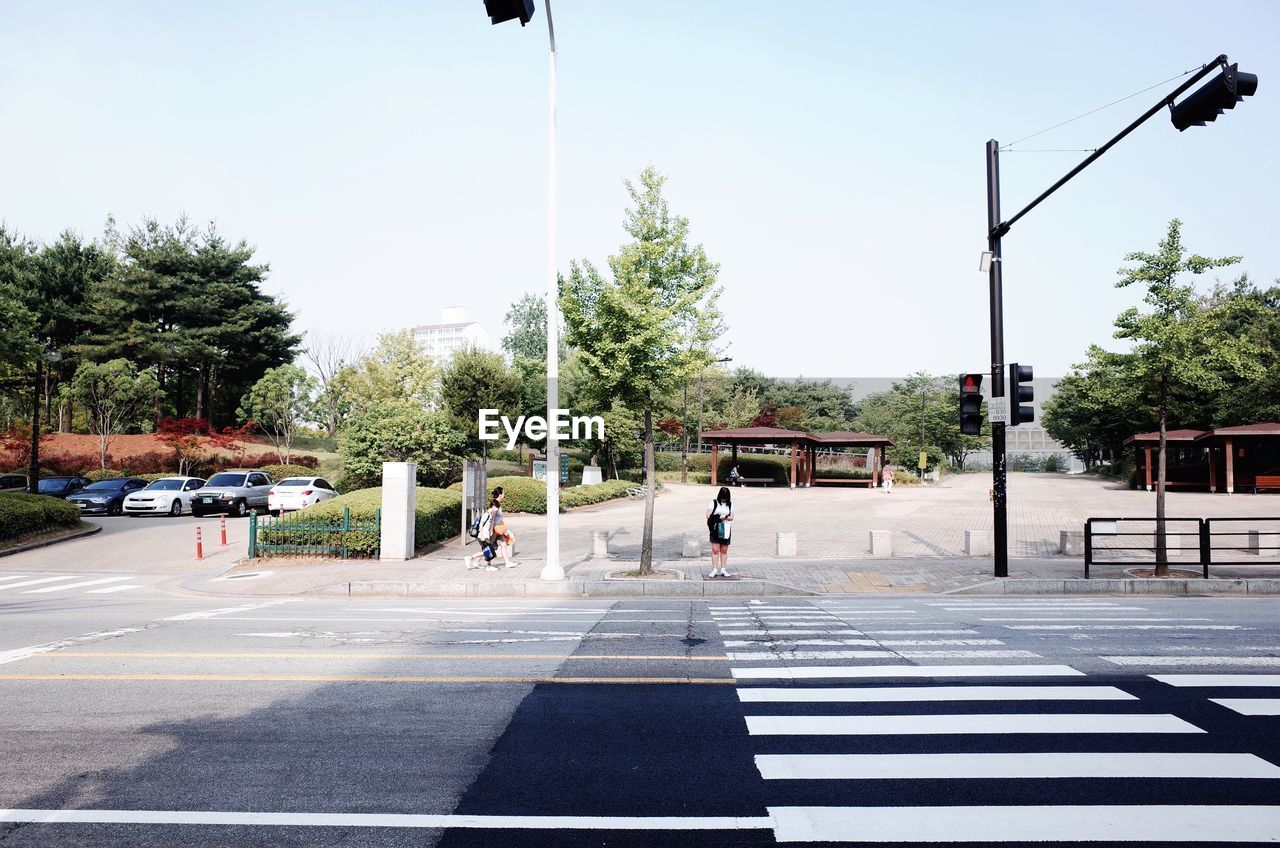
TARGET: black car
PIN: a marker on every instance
(105, 496)
(60, 487)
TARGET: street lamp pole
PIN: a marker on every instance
(552, 570)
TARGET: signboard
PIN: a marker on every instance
(998, 409)
(539, 469)
(923, 463)
(564, 468)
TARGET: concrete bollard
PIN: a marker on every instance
(977, 543)
(1263, 543)
(1071, 542)
(399, 506)
(786, 544)
(881, 544)
(600, 545)
(691, 546)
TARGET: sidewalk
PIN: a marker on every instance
(446, 577)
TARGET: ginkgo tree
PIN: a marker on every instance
(650, 325)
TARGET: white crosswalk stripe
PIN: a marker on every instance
(37, 582)
(993, 723)
(882, 694)
(1034, 765)
(1185, 661)
(1218, 679)
(65, 587)
(1251, 706)
(912, 671)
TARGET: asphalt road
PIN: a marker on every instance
(145, 721)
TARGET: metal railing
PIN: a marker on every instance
(1199, 542)
(301, 534)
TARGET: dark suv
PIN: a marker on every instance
(106, 497)
(61, 487)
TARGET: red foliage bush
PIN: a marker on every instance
(260, 460)
(70, 464)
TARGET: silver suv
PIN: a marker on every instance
(232, 492)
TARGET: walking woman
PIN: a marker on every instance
(501, 535)
(720, 525)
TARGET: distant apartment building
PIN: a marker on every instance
(452, 334)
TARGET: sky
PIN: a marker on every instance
(389, 159)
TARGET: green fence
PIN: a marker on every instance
(306, 535)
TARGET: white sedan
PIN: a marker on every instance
(166, 496)
(298, 492)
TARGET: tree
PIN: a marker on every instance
(1097, 406)
(646, 331)
(116, 394)
(475, 380)
(400, 431)
(186, 438)
(396, 369)
(278, 403)
(328, 354)
(1174, 346)
(921, 401)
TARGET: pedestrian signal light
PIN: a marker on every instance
(1019, 393)
(506, 10)
(1206, 103)
(971, 404)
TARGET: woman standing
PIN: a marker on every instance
(720, 526)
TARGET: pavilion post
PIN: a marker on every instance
(715, 459)
(1213, 471)
(1231, 469)
(813, 461)
(875, 467)
(734, 449)
(793, 463)
(1147, 465)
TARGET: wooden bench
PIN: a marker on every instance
(764, 481)
(1266, 481)
(851, 481)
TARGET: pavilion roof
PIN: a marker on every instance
(1169, 436)
(1267, 429)
(845, 438)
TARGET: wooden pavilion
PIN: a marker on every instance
(1185, 464)
(805, 448)
(1217, 460)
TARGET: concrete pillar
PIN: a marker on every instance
(881, 544)
(691, 545)
(1263, 543)
(399, 505)
(599, 545)
(977, 543)
(786, 544)
(1071, 542)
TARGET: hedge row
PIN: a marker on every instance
(525, 494)
(158, 462)
(436, 518)
(26, 515)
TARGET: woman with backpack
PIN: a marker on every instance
(720, 526)
(484, 531)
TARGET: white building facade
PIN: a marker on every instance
(453, 333)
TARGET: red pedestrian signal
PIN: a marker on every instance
(971, 404)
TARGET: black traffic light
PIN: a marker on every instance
(1018, 393)
(1207, 102)
(971, 404)
(505, 10)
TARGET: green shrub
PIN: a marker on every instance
(701, 477)
(159, 475)
(524, 494)
(584, 495)
(28, 515)
(842, 473)
(776, 468)
(97, 474)
(279, 472)
(1053, 464)
(436, 518)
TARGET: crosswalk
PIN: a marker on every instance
(66, 584)
(980, 743)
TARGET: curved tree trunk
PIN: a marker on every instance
(1162, 548)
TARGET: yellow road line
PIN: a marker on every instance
(356, 678)
(299, 655)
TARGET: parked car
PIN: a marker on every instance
(299, 492)
(232, 492)
(60, 487)
(166, 496)
(105, 497)
(13, 482)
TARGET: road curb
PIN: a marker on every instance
(566, 589)
(80, 534)
(1242, 586)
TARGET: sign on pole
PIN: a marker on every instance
(564, 468)
(923, 463)
(998, 410)
(475, 482)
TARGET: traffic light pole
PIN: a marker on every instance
(996, 229)
(1000, 522)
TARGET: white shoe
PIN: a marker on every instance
(491, 568)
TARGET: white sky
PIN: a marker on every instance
(388, 159)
